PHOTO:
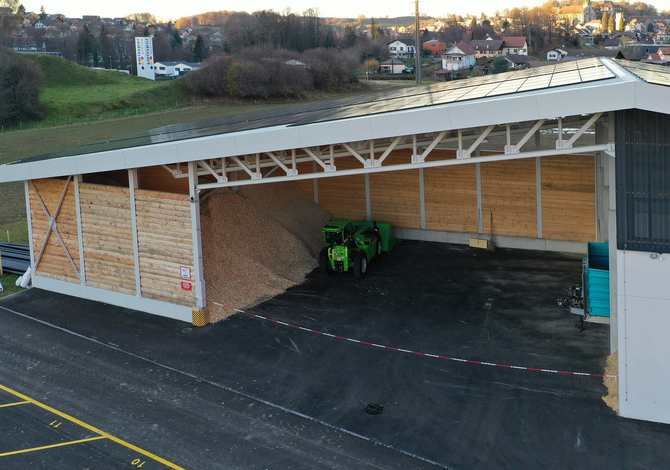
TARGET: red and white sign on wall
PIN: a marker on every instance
(185, 273)
(186, 285)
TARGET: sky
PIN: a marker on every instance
(339, 8)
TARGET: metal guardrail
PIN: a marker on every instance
(15, 258)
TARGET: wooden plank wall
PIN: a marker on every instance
(451, 198)
(165, 244)
(157, 178)
(108, 237)
(509, 193)
(307, 185)
(54, 263)
(395, 195)
(343, 196)
(568, 198)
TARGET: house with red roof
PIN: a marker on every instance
(459, 56)
(515, 46)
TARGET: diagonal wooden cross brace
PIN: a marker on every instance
(53, 227)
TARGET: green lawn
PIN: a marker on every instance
(8, 283)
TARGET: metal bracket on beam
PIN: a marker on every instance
(206, 166)
(578, 134)
(367, 163)
(611, 149)
(253, 175)
(416, 158)
(287, 170)
(326, 168)
(517, 148)
(466, 153)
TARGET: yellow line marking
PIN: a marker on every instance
(14, 404)
(94, 429)
(52, 446)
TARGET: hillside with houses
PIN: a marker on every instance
(451, 46)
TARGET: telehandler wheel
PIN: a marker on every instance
(379, 245)
(323, 262)
(360, 265)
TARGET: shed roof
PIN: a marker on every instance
(562, 89)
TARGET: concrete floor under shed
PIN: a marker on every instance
(445, 300)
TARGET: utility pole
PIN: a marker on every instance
(417, 66)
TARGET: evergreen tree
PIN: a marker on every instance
(499, 65)
(43, 13)
(200, 49)
(349, 36)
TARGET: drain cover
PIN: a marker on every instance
(373, 409)
(187, 330)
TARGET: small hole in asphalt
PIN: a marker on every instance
(187, 330)
(373, 409)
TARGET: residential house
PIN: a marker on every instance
(612, 44)
(661, 57)
(518, 61)
(392, 66)
(515, 45)
(556, 54)
(459, 56)
(434, 47)
(402, 49)
(487, 47)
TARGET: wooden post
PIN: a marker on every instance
(9, 237)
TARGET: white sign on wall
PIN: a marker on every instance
(144, 55)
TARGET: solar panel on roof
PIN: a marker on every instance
(569, 73)
(650, 73)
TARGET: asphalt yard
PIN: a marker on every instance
(335, 373)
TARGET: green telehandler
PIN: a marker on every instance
(350, 246)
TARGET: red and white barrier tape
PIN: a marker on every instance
(407, 350)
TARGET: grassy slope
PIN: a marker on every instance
(75, 92)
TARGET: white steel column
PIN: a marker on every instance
(538, 185)
(132, 184)
(368, 202)
(422, 198)
(200, 293)
(316, 184)
(480, 215)
(80, 231)
(30, 227)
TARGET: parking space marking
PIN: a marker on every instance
(60, 444)
(101, 434)
(14, 404)
(418, 353)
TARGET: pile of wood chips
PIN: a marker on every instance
(612, 383)
(257, 243)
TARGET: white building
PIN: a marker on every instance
(459, 56)
(402, 49)
(175, 69)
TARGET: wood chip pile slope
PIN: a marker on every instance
(257, 243)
